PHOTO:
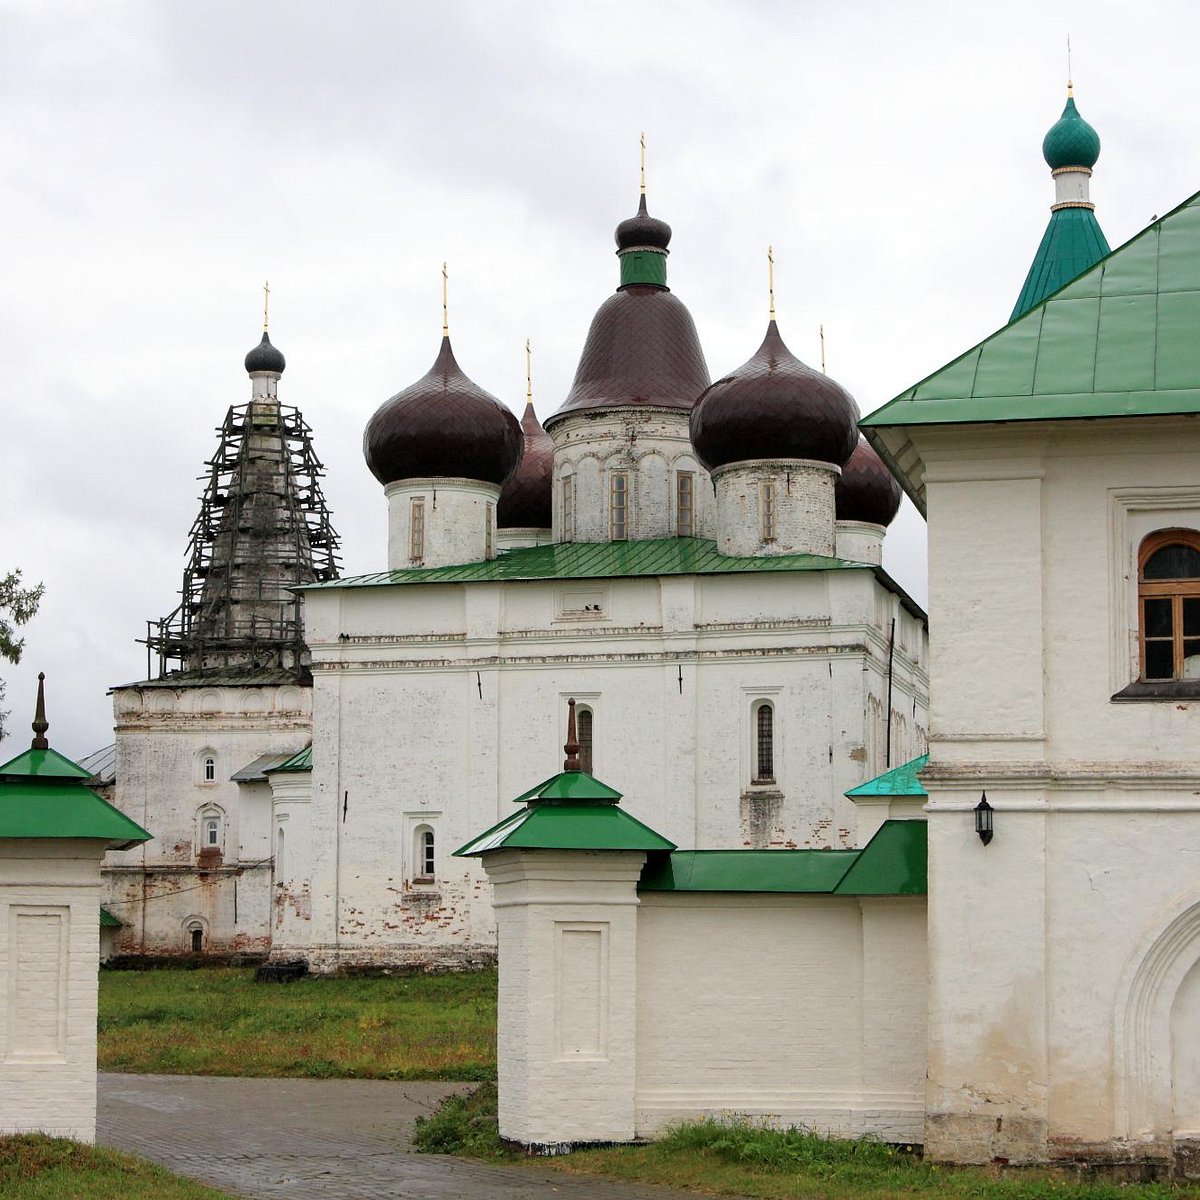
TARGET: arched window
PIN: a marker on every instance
(279, 861)
(195, 933)
(568, 508)
(197, 941)
(210, 769)
(425, 856)
(583, 731)
(685, 503)
(212, 831)
(764, 742)
(1169, 605)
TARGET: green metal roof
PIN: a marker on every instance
(301, 761)
(567, 827)
(899, 781)
(64, 810)
(44, 795)
(1073, 241)
(893, 863)
(42, 764)
(569, 786)
(1119, 341)
(108, 921)
(597, 560)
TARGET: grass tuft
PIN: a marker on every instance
(465, 1125)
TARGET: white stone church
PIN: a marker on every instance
(973, 923)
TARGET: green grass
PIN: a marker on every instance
(218, 1021)
(35, 1167)
(744, 1159)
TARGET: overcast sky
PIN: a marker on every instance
(159, 160)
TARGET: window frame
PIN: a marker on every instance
(568, 508)
(424, 851)
(618, 503)
(685, 481)
(416, 529)
(489, 537)
(768, 511)
(758, 776)
(1174, 590)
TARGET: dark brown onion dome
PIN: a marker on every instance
(867, 490)
(525, 499)
(443, 426)
(643, 231)
(642, 349)
(774, 407)
(264, 357)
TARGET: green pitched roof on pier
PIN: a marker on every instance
(558, 826)
(1119, 341)
(300, 761)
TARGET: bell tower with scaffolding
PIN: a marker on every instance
(227, 693)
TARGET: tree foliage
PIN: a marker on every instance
(17, 606)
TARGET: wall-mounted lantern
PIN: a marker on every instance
(983, 819)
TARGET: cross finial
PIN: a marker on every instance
(445, 311)
(528, 373)
(572, 744)
(40, 724)
(1070, 85)
(266, 302)
(771, 277)
(821, 329)
(643, 162)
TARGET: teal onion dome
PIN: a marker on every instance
(1071, 142)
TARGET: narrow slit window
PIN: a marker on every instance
(568, 508)
(488, 541)
(685, 503)
(1169, 606)
(427, 860)
(767, 510)
(618, 507)
(197, 940)
(210, 770)
(416, 532)
(279, 856)
(764, 744)
(583, 731)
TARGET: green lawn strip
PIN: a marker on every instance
(742, 1159)
(218, 1021)
(35, 1167)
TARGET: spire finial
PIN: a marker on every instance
(445, 310)
(266, 301)
(40, 724)
(821, 328)
(572, 744)
(771, 277)
(643, 162)
(1070, 85)
(528, 373)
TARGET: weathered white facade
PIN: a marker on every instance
(203, 884)
(436, 703)
(1083, 928)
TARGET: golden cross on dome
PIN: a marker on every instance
(266, 301)
(445, 311)
(821, 328)
(771, 278)
(643, 162)
(1070, 85)
(528, 373)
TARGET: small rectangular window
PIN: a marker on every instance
(488, 543)
(766, 510)
(568, 508)
(618, 507)
(416, 532)
(685, 503)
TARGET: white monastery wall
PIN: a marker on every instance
(49, 949)
(812, 1012)
(1062, 989)
(407, 725)
(651, 447)
(164, 737)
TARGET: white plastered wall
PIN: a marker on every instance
(1057, 952)
(49, 952)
